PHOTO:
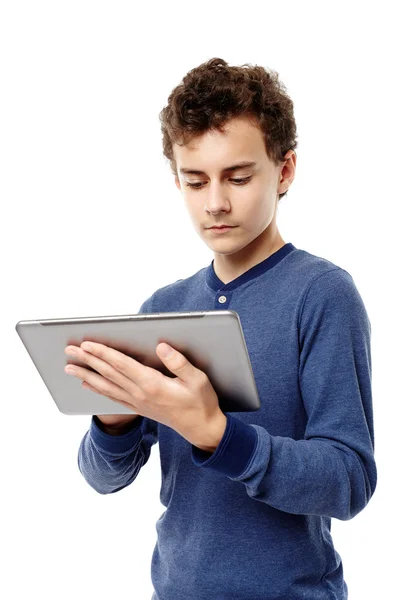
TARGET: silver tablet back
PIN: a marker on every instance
(211, 340)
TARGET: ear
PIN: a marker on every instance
(177, 182)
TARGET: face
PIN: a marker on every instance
(245, 198)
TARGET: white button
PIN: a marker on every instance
(222, 299)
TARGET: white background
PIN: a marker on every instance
(92, 224)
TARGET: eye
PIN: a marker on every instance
(241, 181)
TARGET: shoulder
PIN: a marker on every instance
(333, 295)
(166, 296)
(320, 283)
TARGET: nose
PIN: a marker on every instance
(217, 200)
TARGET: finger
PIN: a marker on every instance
(107, 371)
(86, 385)
(133, 370)
(104, 386)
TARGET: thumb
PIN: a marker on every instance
(176, 362)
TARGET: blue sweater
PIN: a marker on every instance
(252, 520)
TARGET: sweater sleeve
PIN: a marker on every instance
(332, 471)
(109, 463)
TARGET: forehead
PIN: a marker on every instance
(240, 141)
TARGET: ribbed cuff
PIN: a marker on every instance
(234, 451)
(116, 444)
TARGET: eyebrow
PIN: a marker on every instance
(240, 165)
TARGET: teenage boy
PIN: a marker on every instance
(249, 496)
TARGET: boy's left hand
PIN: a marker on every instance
(188, 403)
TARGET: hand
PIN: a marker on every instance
(187, 403)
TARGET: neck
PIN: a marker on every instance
(228, 267)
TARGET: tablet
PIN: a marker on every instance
(212, 341)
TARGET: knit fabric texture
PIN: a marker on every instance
(252, 520)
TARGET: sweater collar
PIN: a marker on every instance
(215, 283)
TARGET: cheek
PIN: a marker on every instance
(195, 206)
(259, 211)
(196, 215)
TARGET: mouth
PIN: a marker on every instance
(221, 229)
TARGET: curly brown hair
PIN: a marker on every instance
(213, 93)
